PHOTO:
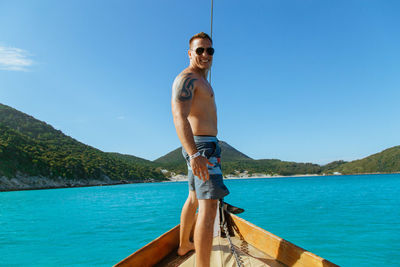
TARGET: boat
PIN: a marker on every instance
(241, 244)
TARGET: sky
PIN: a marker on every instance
(305, 81)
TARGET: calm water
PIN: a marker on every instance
(350, 220)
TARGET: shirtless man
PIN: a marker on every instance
(195, 119)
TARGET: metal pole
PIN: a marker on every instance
(212, 7)
(211, 33)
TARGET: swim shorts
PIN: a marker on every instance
(213, 188)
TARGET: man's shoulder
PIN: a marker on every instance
(187, 76)
(187, 73)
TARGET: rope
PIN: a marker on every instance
(225, 228)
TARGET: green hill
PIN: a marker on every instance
(29, 147)
(173, 157)
(387, 161)
(228, 153)
(173, 161)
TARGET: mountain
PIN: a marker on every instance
(37, 156)
(174, 162)
(234, 161)
(228, 153)
(173, 157)
(386, 161)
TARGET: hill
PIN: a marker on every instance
(331, 167)
(173, 157)
(234, 162)
(174, 162)
(228, 153)
(38, 156)
(386, 161)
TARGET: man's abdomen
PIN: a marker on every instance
(203, 126)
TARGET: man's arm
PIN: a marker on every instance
(182, 98)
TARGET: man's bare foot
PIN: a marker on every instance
(182, 250)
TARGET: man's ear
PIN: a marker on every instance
(190, 53)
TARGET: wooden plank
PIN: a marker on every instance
(280, 249)
(153, 252)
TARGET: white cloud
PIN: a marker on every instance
(120, 117)
(16, 59)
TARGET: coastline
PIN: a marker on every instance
(180, 178)
(177, 178)
(228, 177)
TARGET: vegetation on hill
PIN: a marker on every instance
(270, 166)
(387, 161)
(331, 167)
(33, 148)
(175, 156)
(229, 153)
(174, 162)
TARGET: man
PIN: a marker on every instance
(195, 119)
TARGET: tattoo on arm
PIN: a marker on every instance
(184, 88)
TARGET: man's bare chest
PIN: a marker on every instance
(204, 91)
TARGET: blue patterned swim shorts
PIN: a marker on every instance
(214, 188)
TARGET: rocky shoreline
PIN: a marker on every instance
(39, 182)
(20, 182)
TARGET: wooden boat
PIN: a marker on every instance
(253, 245)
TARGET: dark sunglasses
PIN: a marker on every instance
(200, 50)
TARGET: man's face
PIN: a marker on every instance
(204, 60)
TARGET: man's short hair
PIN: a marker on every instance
(200, 35)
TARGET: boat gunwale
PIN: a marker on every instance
(284, 252)
(145, 256)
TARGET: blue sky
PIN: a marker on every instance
(306, 81)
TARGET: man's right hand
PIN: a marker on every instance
(199, 167)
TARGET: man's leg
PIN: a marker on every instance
(203, 232)
(187, 221)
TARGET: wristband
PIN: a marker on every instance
(195, 155)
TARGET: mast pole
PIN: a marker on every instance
(211, 33)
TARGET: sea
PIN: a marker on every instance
(350, 220)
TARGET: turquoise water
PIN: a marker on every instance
(350, 220)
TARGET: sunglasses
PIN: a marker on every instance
(200, 50)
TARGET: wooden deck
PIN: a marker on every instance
(221, 256)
